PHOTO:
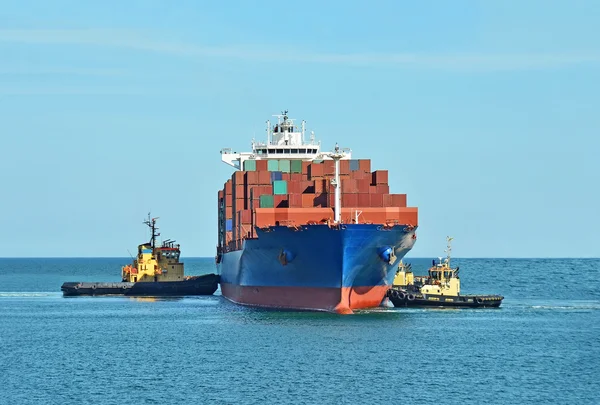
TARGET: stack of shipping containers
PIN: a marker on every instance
(295, 192)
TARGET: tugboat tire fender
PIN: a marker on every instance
(479, 300)
(93, 286)
(394, 294)
(411, 297)
(401, 295)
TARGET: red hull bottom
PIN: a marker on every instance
(341, 300)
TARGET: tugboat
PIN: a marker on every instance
(441, 288)
(156, 271)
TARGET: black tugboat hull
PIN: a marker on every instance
(197, 285)
(404, 299)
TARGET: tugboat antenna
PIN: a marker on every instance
(151, 222)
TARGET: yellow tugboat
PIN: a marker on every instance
(441, 288)
(155, 271)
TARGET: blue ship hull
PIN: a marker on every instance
(316, 267)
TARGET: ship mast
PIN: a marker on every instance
(336, 155)
(448, 250)
(151, 222)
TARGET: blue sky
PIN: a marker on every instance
(485, 114)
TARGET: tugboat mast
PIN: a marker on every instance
(151, 222)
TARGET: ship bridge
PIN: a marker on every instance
(284, 141)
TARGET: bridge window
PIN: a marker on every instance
(271, 150)
(302, 150)
(294, 150)
(279, 150)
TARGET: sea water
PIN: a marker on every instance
(541, 346)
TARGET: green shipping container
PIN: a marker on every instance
(266, 201)
(273, 165)
(296, 166)
(280, 187)
(250, 165)
(284, 166)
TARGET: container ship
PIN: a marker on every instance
(303, 229)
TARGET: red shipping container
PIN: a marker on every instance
(398, 200)
(364, 200)
(328, 167)
(307, 186)
(321, 200)
(349, 200)
(296, 200)
(383, 189)
(376, 200)
(237, 177)
(228, 212)
(364, 165)
(372, 189)
(344, 166)
(251, 178)
(305, 165)
(387, 200)
(294, 187)
(245, 216)
(228, 200)
(358, 175)
(308, 200)
(315, 170)
(239, 191)
(227, 187)
(280, 201)
(349, 186)
(239, 204)
(262, 165)
(264, 177)
(380, 177)
(363, 185)
(296, 177)
(286, 176)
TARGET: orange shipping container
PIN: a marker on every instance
(328, 167)
(308, 200)
(245, 216)
(319, 186)
(315, 170)
(305, 166)
(359, 175)
(286, 176)
(295, 200)
(227, 187)
(228, 200)
(228, 212)
(372, 189)
(296, 177)
(387, 200)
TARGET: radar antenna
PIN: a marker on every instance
(151, 222)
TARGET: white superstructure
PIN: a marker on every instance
(284, 141)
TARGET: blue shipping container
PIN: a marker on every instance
(354, 165)
(228, 225)
(276, 176)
